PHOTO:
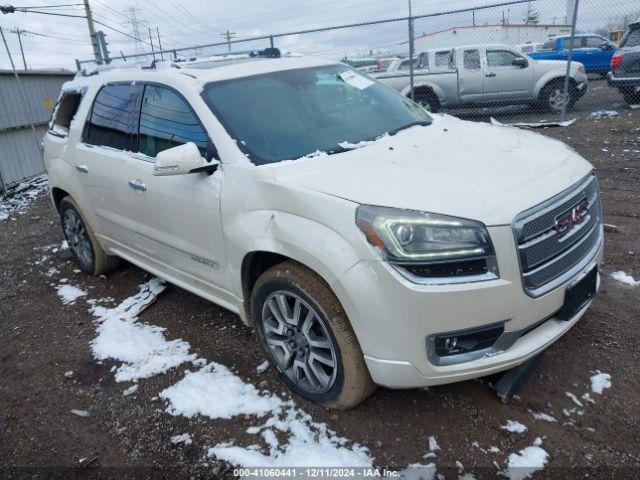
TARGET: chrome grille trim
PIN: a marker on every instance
(547, 260)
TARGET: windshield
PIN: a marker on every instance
(290, 114)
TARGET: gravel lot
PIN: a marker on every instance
(129, 436)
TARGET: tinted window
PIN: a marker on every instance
(577, 43)
(166, 121)
(632, 39)
(443, 59)
(594, 42)
(471, 59)
(500, 58)
(113, 117)
(549, 44)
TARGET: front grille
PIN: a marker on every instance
(547, 256)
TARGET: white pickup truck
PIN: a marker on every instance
(484, 75)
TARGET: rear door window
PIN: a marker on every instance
(549, 44)
(405, 66)
(166, 121)
(443, 59)
(577, 42)
(471, 59)
(113, 117)
(594, 42)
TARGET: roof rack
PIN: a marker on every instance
(178, 62)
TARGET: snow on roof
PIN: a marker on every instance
(200, 71)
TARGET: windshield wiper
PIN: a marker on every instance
(421, 123)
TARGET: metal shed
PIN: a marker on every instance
(20, 153)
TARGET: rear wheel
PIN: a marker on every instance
(428, 100)
(308, 338)
(86, 250)
(631, 95)
(553, 98)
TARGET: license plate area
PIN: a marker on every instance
(578, 295)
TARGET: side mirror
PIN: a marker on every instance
(181, 160)
(520, 62)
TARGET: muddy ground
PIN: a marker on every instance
(128, 436)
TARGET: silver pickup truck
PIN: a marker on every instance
(484, 75)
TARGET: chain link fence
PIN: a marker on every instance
(519, 61)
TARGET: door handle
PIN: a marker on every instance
(490, 75)
(137, 185)
(82, 168)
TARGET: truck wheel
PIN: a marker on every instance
(86, 250)
(428, 100)
(631, 95)
(552, 96)
(308, 338)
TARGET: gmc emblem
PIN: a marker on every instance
(565, 222)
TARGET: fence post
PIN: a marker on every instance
(565, 92)
(271, 41)
(411, 53)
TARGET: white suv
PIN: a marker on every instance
(367, 241)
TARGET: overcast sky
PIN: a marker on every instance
(54, 42)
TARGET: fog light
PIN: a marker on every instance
(466, 341)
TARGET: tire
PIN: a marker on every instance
(320, 330)
(551, 96)
(428, 100)
(631, 95)
(86, 250)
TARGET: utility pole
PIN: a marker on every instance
(135, 25)
(17, 31)
(153, 52)
(160, 43)
(92, 33)
(228, 35)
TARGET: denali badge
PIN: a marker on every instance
(565, 222)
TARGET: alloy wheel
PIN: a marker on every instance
(77, 237)
(557, 99)
(299, 342)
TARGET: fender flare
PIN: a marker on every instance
(437, 90)
(549, 77)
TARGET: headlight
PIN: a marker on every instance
(429, 245)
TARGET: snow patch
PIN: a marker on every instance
(543, 416)
(528, 461)
(214, 391)
(142, 349)
(185, 439)
(514, 427)
(69, 294)
(433, 444)
(603, 114)
(130, 391)
(625, 278)
(574, 399)
(16, 199)
(418, 471)
(600, 381)
(262, 367)
(309, 444)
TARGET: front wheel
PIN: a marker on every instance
(308, 338)
(553, 98)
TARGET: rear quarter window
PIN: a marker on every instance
(113, 117)
(632, 39)
(64, 113)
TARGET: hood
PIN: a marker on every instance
(466, 169)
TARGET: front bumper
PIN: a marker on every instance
(393, 317)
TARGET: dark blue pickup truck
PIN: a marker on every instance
(593, 51)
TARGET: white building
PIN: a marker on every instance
(481, 34)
